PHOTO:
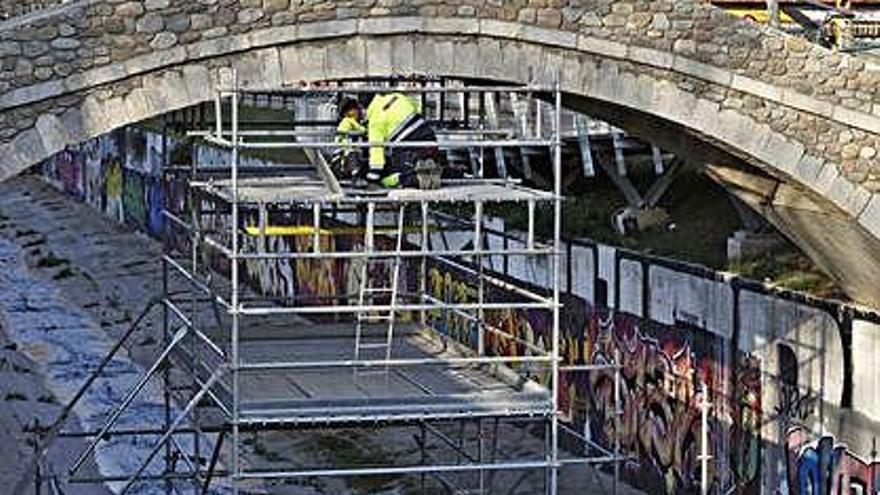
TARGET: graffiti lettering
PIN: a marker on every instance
(823, 467)
(795, 404)
(661, 420)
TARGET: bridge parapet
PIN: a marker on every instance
(86, 34)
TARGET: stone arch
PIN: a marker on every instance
(713, 111)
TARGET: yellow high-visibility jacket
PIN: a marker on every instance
(385, 115)
(346, 126)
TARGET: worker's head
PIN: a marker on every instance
(349, 108)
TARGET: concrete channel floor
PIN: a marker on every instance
(110, 271)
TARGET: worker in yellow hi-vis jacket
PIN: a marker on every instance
(347, 159)
(395, 118)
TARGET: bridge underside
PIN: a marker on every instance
(832, 238)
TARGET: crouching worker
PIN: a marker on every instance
(395, 118)
(347, 160)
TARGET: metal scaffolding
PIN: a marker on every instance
(237, 359)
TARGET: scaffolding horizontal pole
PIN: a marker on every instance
(91, 480)
(607, 459)
(317, 310)
(445, 144)
(468, 223)
(332, 124)
(466, 181)
(313, 91)
(217, 169)
(351, 363)
(549, 251)
(136, 432)
(589, 367)
(396, 470)
(447, 407)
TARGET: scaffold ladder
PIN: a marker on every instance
(369, 294)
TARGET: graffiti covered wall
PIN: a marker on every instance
(779, 369)
(794, 382)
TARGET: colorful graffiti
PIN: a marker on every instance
(660, 420)
(745, 451)
(660, 392)
(795, 404)
(113, 190)
(134, 200)
(317, 281)
(508, 332)
(448, 287)
(825, 467)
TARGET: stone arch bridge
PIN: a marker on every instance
(790, 127)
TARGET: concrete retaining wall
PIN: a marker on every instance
(791, 378)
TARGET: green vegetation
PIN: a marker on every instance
(792, 271)
(700, 211)
(703, 218)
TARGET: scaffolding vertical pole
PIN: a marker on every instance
(234, 464)
(530, 235)
(423, 439)
(218, 114)
(38, 471)
(166, 379)
(617, 413)
(704, 439)
(316, 221)
(481, 286)
(423, 279)
(557, 234)
(480, 455)
(195, 207)
(481, 105)
(822, 369)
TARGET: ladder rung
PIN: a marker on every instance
(374, 346)
(378, 290)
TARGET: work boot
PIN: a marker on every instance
(428, 174)
(377, 180)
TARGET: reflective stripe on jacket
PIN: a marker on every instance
(386, 115)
